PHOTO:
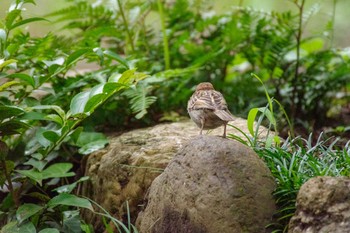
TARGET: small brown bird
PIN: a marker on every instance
(208, 108)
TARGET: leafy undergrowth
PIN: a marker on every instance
(295, 162)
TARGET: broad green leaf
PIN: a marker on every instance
(75, 56)
(56, 108)
(25, 21)
(127, 77)
(11, 17)
(9, 111)
(12, 127)
(38, 164)
(25, 211)
(32, 174)
(110, 88)
(69, 200)
(98, 89)
(251, 119)
(54, 118)
(78, 102)
(93, 146)
(94, 102)
(116, 57)
(24, 77)
(87, 137)
(277, 140)
(49, 230)
(71, 222)
(114, 78)
(58, 61)
(312, 45)
(69, 187)
(6, 85)
(74, 135)
(268, 114)
(52, 136)
(39, 136)
(12, 227)
(58, 170)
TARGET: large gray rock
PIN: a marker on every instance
(212, 185)
(323, 206)
(126, 168)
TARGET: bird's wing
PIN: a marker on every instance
(201, 100)
(212, 100)
(220, 106)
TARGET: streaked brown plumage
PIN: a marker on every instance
(208, 108)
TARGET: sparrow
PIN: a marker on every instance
(208, 108)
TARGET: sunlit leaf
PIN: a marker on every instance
(6, 85)
(38, 164)
(69, 187)
(14, 227)
(32, 174)
(127, 77)
(93, 146)
(49, 230)
(87, 137)
(251, 119)
(78, 102)
(56, 108)
(69, 200)
(25, 211)
(72, 222)
(54, 118)
(11, 17)
(94, 102)
(58, 170)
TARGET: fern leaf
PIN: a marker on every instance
(139, 100)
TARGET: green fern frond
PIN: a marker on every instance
(139, 100)
(84, 12)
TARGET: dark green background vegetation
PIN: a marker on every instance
(138, 62)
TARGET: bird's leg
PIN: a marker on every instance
(202, 126)
(224, 136)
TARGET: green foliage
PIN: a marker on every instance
(295, 162)
(43, 106)
(51, 109)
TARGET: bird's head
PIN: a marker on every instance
(204, 86)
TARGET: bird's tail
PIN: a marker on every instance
(224, 115)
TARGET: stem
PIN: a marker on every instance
(296, 73)
(10, 186)
(126, 26)
(333, 20)
(165, 38)
(240, 4)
